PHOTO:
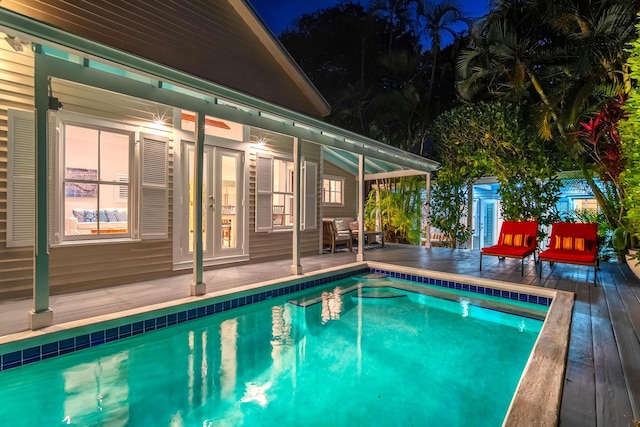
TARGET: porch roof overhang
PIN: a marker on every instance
(373, 168)
(214, 99)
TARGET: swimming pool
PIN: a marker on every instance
(243, 372)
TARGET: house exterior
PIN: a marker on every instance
(121, 122)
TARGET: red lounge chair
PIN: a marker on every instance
(573, 243)
(517, 239)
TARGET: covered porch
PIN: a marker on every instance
(602, 378)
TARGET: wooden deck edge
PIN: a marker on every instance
(539, 393)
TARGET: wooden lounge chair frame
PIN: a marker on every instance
(331, 237)
(528, 229)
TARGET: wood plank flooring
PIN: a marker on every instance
(602, 379)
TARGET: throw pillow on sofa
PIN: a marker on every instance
(90, 216)
(78, 214)
(112, 215)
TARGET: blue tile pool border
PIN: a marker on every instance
(478, 289)
(113, 333)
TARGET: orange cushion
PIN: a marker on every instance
(518, 240)
(564, 243)
(570, 243)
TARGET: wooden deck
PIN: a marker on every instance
(602, 380)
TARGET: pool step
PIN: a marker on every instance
(372, 276)
(374, 295)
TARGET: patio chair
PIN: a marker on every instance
(518, 239)
(573, 243)
(331, 237)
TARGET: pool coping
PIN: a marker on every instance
(538, 394)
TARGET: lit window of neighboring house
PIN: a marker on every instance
(585, 205)
(333, 190)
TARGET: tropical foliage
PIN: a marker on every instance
(384, 70)
(566, 59)
(398, 202)
(630, 138)
(494, 139)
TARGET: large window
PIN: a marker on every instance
(96, 183)
(585, 205)
(102, 184)
(333, 190)
(283, 182)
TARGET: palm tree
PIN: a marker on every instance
(433, 21)
(395, 13)
(567, 57)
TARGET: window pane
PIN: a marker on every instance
(80, 209)
(113, 217)
(114, 156)
(279, 175)
(81, 153)
(229, 201)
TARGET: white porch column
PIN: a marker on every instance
(427, 212)
(198, 287)
(296, 267)
(378, 216)
(41, 315)
(360, 256)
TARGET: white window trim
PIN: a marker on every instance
(285, 194)
(59, 238)
(333, 178)
(312, 218)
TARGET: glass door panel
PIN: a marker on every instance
(222, 203)
(229, 201)
(206, 196)
(228, 174)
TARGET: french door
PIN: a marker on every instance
(222, 203)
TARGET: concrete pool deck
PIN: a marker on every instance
(599, 383)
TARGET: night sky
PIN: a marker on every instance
(278, 14)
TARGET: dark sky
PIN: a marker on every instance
(278, 14)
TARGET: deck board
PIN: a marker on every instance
(602, 378)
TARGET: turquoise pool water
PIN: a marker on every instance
(359, 352)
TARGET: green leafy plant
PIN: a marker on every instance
(630, 139)
(399, 203)
(494, 139)
(448, 208)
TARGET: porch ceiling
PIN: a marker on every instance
(373, 168)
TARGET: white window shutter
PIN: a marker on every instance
(264, 193)
(21, 178)
(154, 211)
(310, 188)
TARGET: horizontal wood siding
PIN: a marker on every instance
(76, 266)
(278, 244)
(95, 265)
(350, 208)
(205, 38)
(16, 91)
